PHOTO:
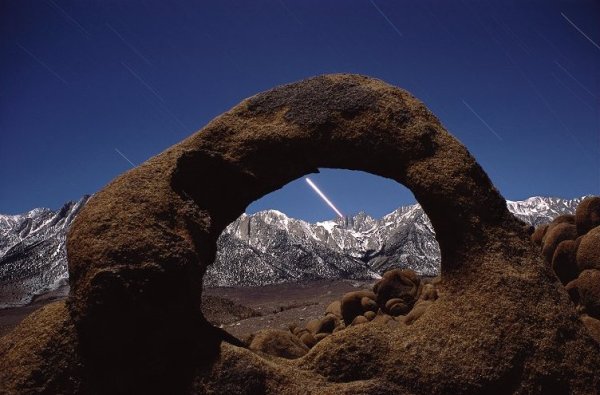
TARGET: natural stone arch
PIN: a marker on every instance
(138, 250)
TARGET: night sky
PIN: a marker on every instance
(518, 82)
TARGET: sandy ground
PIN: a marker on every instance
(283, 304)
(12, 316)
(241, 311)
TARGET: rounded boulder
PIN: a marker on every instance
(587, 215)
(352, 304)
(564, 261)
(588, 252)
(555, 234)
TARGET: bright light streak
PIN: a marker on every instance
(44, 65)
(482, 120)
(580, 31)
(131, 46)
(574, 79)
(318, 191)
(124, 157)
(386, 19)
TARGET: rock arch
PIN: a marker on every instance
(138, 250)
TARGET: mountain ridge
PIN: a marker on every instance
(266, 247)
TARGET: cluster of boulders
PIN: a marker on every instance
(571, 245)
(400, 297)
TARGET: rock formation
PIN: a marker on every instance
(573, 242)
(138, 250)
(588, 253)
(588, 214)
(400, 297)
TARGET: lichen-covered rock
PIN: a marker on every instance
(563, 219)
(397, 284)
(299, 331)
(538, 235)
(359, 319)
(588, 252)
(278, 343)
(396, 307)
(308, 339)
(335, 308)
(368, 304)
(564, 261)
(587, 214)
(370, 315)
(555, 234)
(352, 304)
(588, 288)
(328, 324)
(314, 326)
(138, 250)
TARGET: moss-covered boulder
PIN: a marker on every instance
(587, 214)
(588, 251)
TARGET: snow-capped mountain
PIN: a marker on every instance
(263, 248)
(33, 257)
(269, 247)
(540, 210)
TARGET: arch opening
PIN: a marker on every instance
(289, 255)
(382, 228)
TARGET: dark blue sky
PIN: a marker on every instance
(515, 81)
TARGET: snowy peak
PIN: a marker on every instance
(403, 238)
(539, 210)
(263, 248)
(32, 252)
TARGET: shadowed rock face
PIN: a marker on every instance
(138, 250)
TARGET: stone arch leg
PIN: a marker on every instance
(138, 250)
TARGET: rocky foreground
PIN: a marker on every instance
(570, 245)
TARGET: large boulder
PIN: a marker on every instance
(587, 214)
(555, 235)
(335, 309)
(538, 234)
(564, 260)
(402, 286)
(138, 250)
(588, 251)
(588, 289)
(356, 303)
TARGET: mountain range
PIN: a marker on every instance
(263, 248)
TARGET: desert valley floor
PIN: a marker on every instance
(241, 311)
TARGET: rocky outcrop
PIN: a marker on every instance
(570, 244)
(588, 214)
(400, 297)
(138, 250)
